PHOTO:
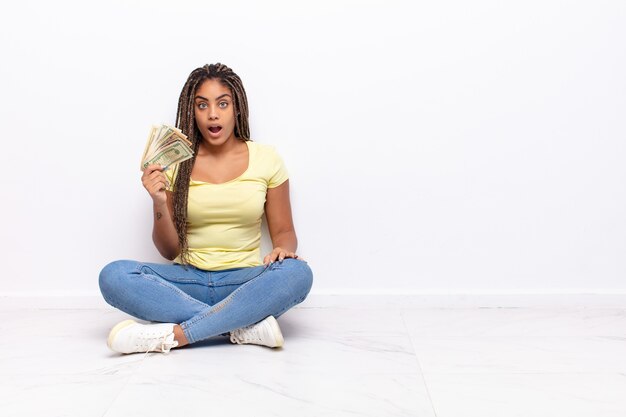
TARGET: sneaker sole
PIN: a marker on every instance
(278, 335)
(115, 330)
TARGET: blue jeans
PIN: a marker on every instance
(205, 303)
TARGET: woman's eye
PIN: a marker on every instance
(202, 106)
(223, 104)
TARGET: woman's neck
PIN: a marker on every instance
(232, 145)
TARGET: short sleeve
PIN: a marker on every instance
(278, 170)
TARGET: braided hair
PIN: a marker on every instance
(186, 121)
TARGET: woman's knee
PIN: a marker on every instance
(307, 276)
(294, 285)
(113, 276)
(300, 276)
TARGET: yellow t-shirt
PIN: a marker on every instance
(224, 220)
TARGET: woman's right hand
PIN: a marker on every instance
(155, 182)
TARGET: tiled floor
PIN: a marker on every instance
(343, 356)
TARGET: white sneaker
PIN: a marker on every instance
(265, 333)
(130, 336)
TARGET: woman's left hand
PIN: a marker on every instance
(280, 254)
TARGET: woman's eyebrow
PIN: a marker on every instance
(206, 99)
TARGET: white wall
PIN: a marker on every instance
(433, 146)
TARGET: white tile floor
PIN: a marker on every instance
(343, 356)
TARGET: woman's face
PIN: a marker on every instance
(215, 112)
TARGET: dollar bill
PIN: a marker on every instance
(173, 154)
(146, 150)
(166, 145)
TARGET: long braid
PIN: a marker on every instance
(186, 121)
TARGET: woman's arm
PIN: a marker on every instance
(280, 223)
(164, 233)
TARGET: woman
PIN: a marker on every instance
(207, 219)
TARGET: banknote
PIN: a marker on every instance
(166, 146)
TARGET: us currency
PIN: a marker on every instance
(172, 154)
(166, 145)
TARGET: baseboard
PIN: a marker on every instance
(359, 298)
(480, 291)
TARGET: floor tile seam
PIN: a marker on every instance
(521, 337)
(419, 365)
(118, 394)
(147, 373)
(135, 370)
(552, 373)
(503, 367)
(353, 372)
(348, 374)
(226, 373)
(87, 374)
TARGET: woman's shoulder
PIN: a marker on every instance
(269, 164)
(262, 147)
(264, 150)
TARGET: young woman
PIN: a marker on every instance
(207, 219)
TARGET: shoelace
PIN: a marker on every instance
(245, 334)
(165, 345)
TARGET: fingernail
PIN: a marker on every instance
(165, 167)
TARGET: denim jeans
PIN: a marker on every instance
(205, 303)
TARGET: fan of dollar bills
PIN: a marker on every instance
(166, 146)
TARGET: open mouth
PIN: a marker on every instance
(215, 129)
